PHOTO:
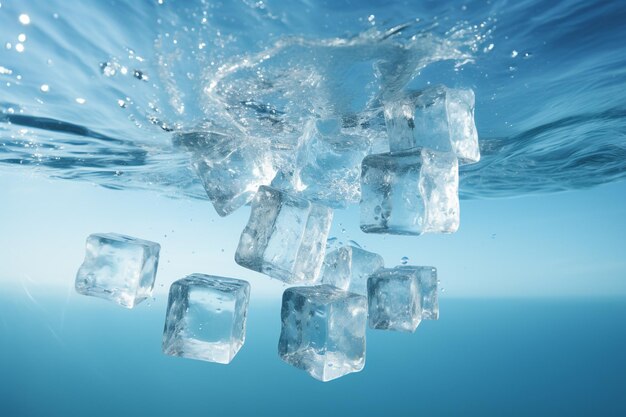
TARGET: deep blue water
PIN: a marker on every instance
(524, 357)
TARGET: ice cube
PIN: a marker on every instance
(410, 193)
(427, 276)
(206, 318)
(329, 163)
(230, 168)
(323, 331)
(118, 268)
(285, 237)
(439, 118)
(394, 299)
(348, 268)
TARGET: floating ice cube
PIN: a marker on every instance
(323, 331)
(410, 193)
(438, 118)
(119, 268)
(329, 163)
(206, 318)
(285, 237)
(427, 276)
(231, 168)
(349, 267)
(394, 299)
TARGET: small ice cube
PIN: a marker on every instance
(410, 193)
(429, 300)
(329, 163)
(394, 299)
(285, 237)
(118, 268)
(323, 331)
(206, 318)
(230, 168)
(349, 267)
(439, 118)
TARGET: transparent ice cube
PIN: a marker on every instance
(329, 163)
(410, 193)
(429, 299)
(394, 299)
(323, 331)
(206, 318)
(285, 237)
(439, 118)
(348, 268)
(231, 168)
(118, 268)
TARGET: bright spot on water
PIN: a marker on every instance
(514, 53)
(121, 103)
(19, 47)
(44, 88)
(80, 100)
(24, 19)
(21, 37)
(404, 260)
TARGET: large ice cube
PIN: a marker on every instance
(230, 168)
(323, 331)
(349, 267)
(206, 318)
(410, 193)
(394, 299)
(427, 276)
(119, 268)
(285, 237)
(329, 163)
(439, 118)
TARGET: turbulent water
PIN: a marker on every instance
(97, 90)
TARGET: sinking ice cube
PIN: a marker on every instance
(329, 163)
(349, 267)
(410, 193)
(206, 318)
(285, 237)
(118, 268)
(394, 299)
(230, 168)
(323, 331)
(427, 276)
(439, 118)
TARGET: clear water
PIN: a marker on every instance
(535, 290)
(99, 86)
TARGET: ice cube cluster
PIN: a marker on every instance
(407, 187)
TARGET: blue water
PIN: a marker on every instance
(483, 357)
(121, 76)
(93, 92)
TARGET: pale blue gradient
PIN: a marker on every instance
(552, 245)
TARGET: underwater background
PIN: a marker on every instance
(533, 299)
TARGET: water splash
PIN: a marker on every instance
(102, 109)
